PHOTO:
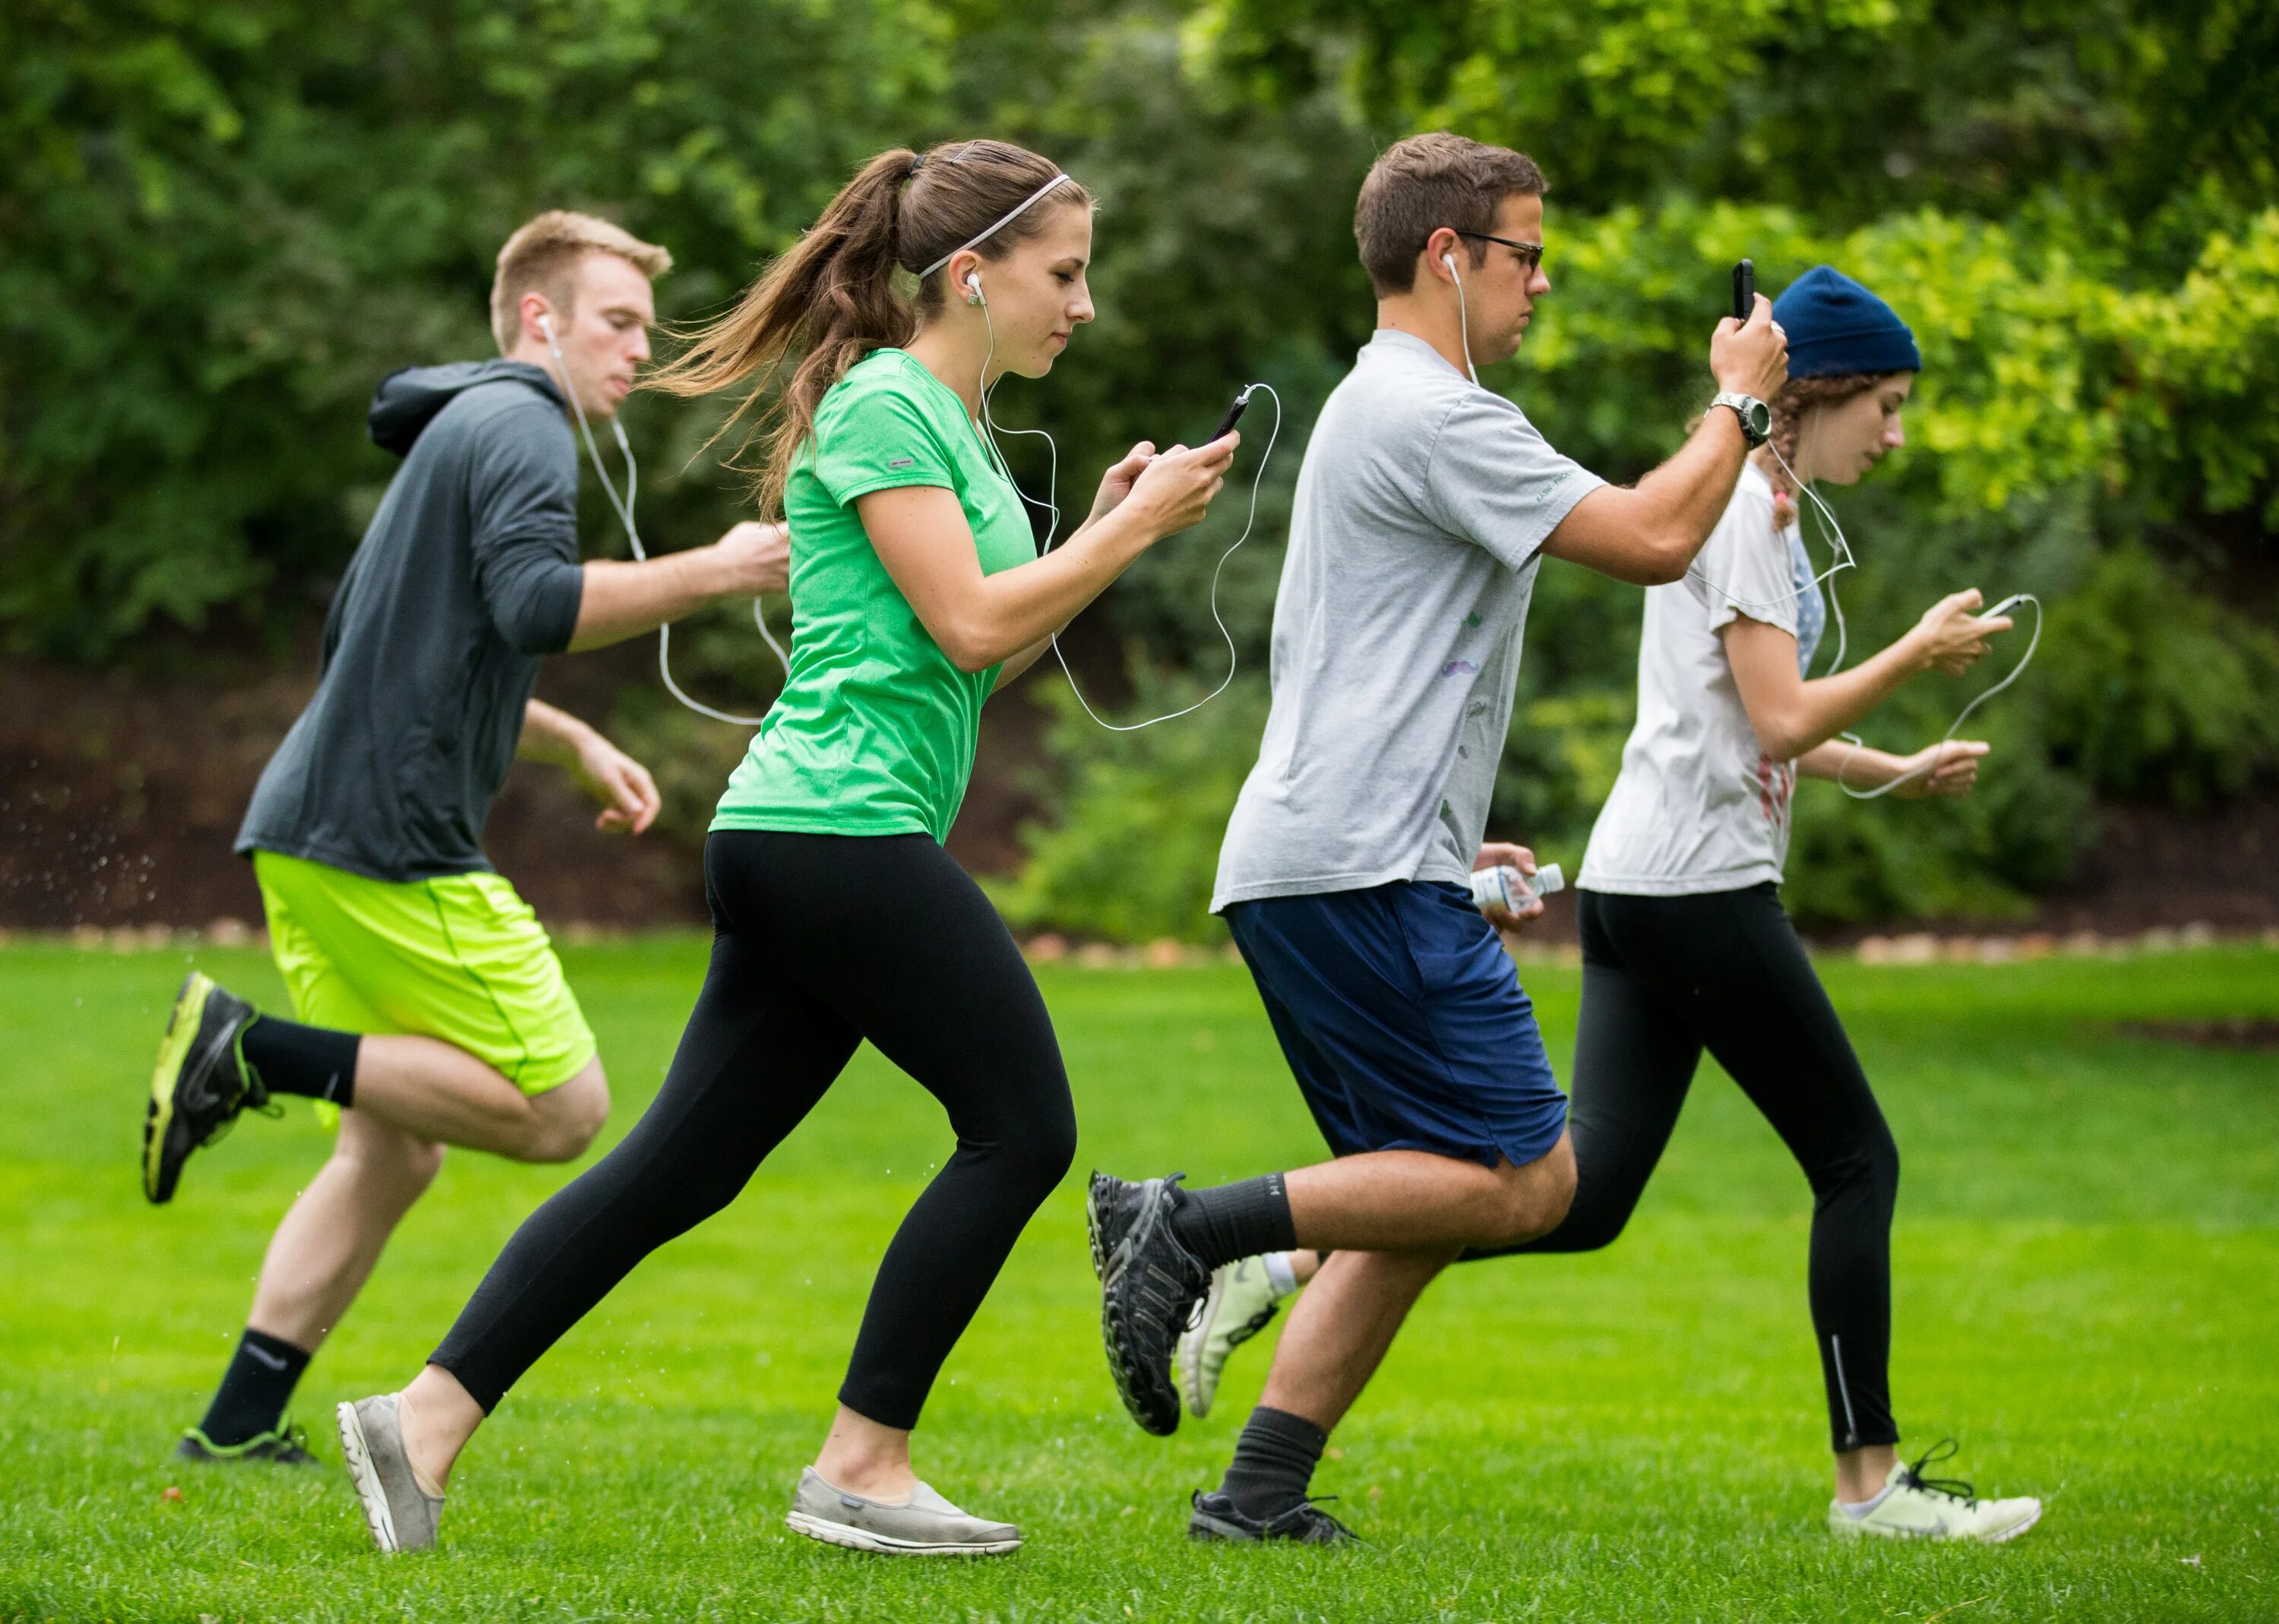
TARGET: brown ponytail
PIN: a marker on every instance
(831, 299)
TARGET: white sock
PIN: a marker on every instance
(1281, 1272)
(1856, 1509)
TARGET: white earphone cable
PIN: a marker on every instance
(1463, 318)
(624, 507)
(1939, 752)
(1051, 504)
(1843, 545)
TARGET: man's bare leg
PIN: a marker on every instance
(412, 1095)
(1340, 1329)
(1245, 1292)
(1398, 1200)
(427, 1088)
(1390, 1219)
(332, 1237)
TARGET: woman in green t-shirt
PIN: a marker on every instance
(916, 588)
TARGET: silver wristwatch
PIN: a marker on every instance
(1756, 416)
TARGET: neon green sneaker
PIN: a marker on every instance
(200, 1082)
(1239, 1304)
(1913, 1506)
(283, 1444)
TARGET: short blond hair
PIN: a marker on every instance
(543, 258)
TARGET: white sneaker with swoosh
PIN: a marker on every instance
(1913, 1506)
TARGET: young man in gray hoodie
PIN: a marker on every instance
(428, 1007)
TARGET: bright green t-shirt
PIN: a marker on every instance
(874, 731)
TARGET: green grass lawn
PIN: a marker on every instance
(2087, 1269)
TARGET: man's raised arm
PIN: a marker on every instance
(1648, 533)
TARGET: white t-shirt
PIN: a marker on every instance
(1699, 806)
(1421, 505)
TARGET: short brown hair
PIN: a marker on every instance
(543, 258)
(1421, 184)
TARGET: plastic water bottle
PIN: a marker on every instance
(1506, 887)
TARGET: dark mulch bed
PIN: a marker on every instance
(118, 799)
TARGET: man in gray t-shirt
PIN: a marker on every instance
(1421, 506)
(1425, 508)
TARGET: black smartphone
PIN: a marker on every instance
(1745, 290)
(1233, 415)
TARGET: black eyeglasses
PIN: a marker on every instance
(1531, 254)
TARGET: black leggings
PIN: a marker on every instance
(820, 942)
(1664, 977)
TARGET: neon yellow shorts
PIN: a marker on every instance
(462, 958)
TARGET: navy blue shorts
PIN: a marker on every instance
(1405, 1022)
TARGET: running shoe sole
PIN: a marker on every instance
(372, 1494)
(1155, 1411)
(272, 1449)
(173, 1053)
(887, 1545)
(2009, 1533)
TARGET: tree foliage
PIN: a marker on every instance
(223, 222)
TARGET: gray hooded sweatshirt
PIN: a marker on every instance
(468, 574)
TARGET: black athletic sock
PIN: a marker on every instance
(1229, 1222)
(292, 1059)
(254, 1389)
(1273, 1463)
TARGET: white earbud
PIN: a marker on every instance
(546, 326)
(973, 281)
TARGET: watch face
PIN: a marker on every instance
(1761, 419)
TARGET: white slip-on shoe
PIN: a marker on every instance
(924, 1525)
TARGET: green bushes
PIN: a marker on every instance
(2157, 693)
(1134, 848)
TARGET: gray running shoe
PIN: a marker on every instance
(1150, 1285)
(926, 1525)
(401, 1515)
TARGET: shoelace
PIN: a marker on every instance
(1313, 1502)
(1953, 1488)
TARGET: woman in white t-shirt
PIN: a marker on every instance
(1685, 944)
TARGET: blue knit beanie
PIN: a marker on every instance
(1834, 325)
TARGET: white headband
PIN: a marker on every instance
(994, 230)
